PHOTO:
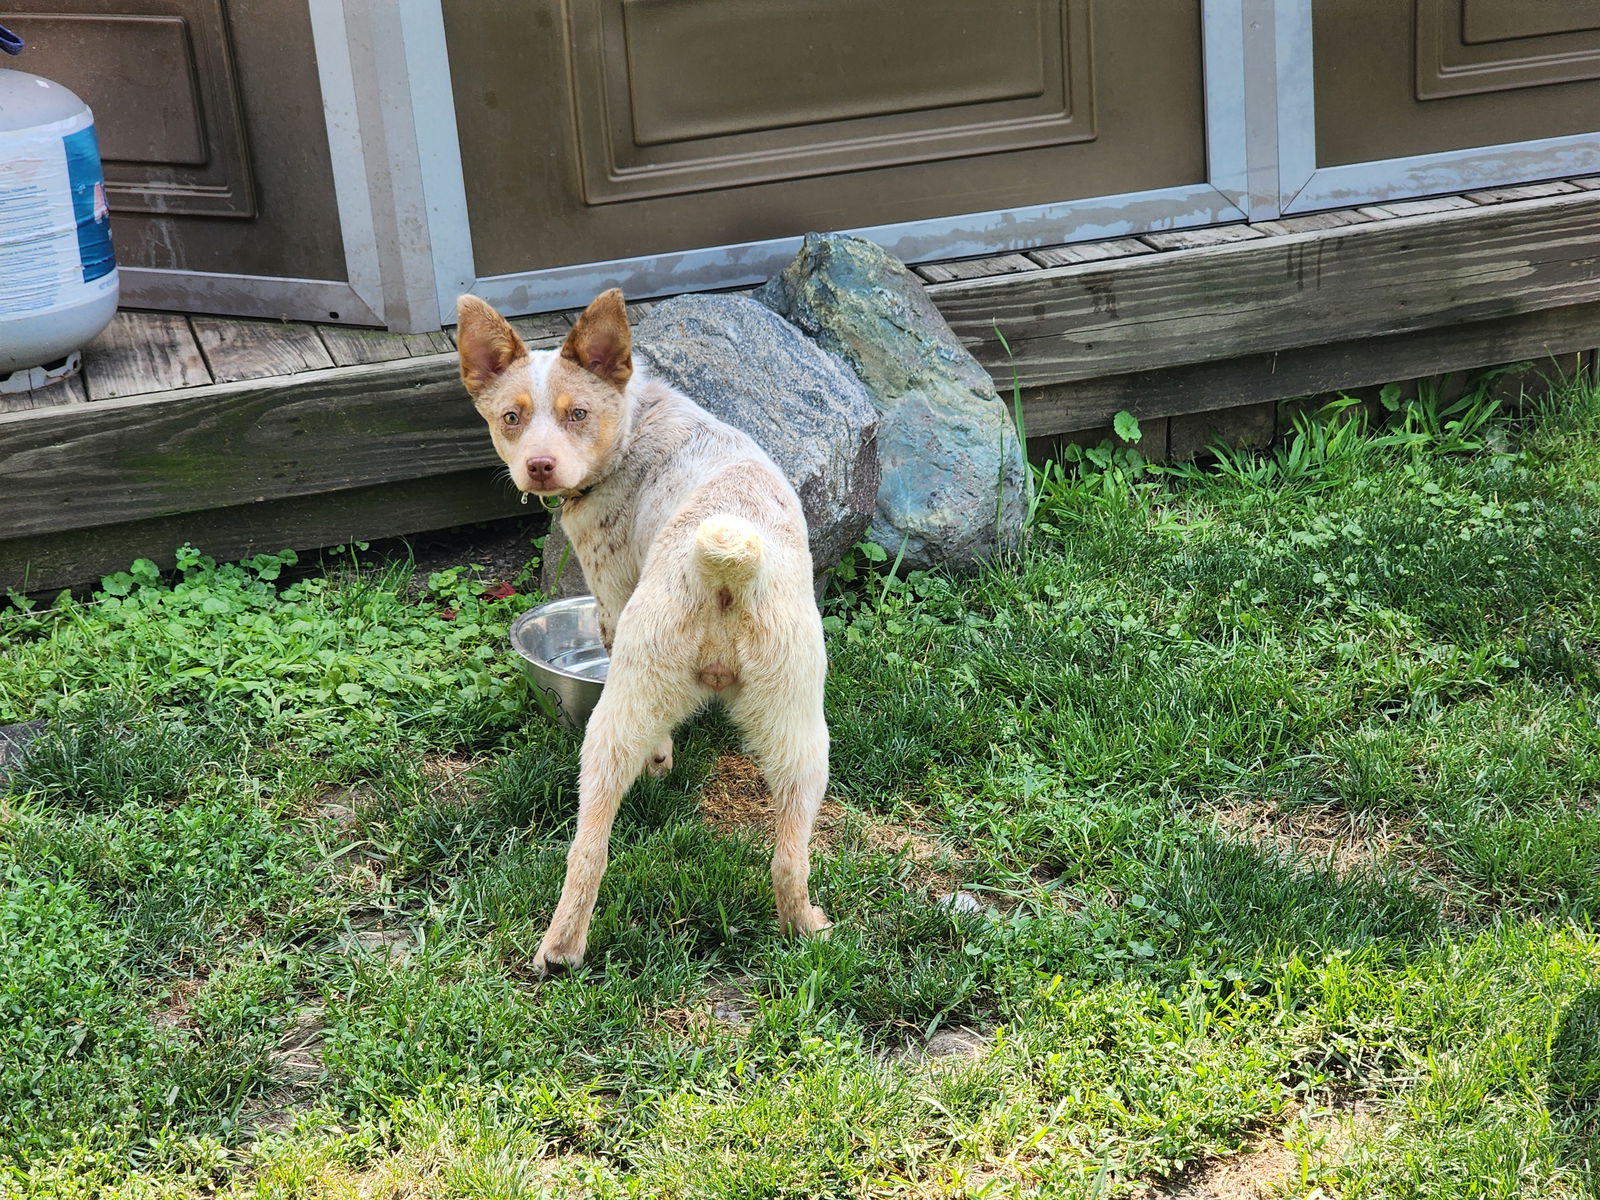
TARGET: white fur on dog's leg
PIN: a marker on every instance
(553, 960)
(660, 759)
(789, 741)
(639, 706)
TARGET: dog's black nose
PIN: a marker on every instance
(540, 469)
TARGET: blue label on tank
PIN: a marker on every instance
(89, 206)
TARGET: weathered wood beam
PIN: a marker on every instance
(1268, 295)
(236, 443)
(1546, 337)
(79, 556)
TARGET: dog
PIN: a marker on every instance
(695, 547)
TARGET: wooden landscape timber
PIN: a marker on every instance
(75, 467)
(1194, 336)
(359, 514)
(1549, 339)
(1266, 295)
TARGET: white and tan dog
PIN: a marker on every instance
(694, 544)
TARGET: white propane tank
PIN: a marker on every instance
(58, 274)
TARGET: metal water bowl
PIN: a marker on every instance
(559, 647)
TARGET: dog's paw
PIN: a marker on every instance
(809, 922)
(553, 960)
(660, 759)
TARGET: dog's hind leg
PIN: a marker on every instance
(788, 738)
(641, 703)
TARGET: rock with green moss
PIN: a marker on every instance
(954, 476)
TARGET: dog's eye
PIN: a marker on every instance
(512, 418)
(577, 414)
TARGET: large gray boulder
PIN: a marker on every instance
(954, 476)
(749, 367)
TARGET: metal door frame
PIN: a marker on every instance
(1305, 187)
(358, 298)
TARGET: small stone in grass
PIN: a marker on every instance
(956, 1043)
(390, 945)
(731, 1005)
(729, 1012)
(14, 741)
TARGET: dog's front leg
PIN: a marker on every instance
(638, 707)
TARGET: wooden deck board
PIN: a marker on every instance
(546, 331)
(63, 391)
(1522, 191)
(351, 347)
(976, 268)
(1415, 208)
(236, 350)
(1197, 239)
(70, 390)
(1084, 252)
(140, 353)
(1311, 222)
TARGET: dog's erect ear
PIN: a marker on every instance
(488, 345)
(600, 342)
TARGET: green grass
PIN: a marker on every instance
(1276, 783)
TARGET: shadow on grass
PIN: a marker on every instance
(1573, 1085)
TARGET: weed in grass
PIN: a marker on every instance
(902, 968)
(332, 667)
(85, 1070)
(79, 1062)
(1573, 1084)
(102, 752)
(178, 878)
(444, 1021)
(1473, 1032)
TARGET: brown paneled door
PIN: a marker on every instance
(1395, 78)
(593, 130)
(211, 128)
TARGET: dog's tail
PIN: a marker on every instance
(729, 552)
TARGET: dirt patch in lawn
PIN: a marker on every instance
(447, 773)
(735, 800)
(1256, 1173)
(173, 1011)
(1342, 841)
(297, 1070)
(1273, 1164)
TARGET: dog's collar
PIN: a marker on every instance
(559, 501)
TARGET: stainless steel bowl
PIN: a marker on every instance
(559, 647)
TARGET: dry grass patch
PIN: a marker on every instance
(721, 1015)
(446, 772)
(735, 800)
(1287, 1162)
(1346, 843)
(297, 1068)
